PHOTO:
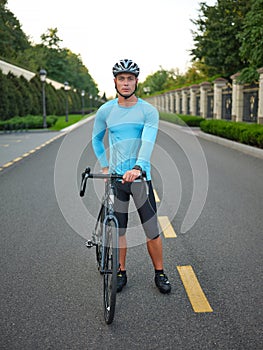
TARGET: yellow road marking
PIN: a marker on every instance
(17, 159)
(166, 227)
(157, 199)
(6, 165)
(193, 289)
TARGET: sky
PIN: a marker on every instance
(153, 33)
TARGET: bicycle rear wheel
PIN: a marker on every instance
(111, 265)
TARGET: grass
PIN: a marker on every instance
(61, 122)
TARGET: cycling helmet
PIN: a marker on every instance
(125, 66)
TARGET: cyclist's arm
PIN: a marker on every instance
(98, 133)
(148, 138)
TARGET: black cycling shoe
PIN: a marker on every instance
(162, 283)
(121, 280)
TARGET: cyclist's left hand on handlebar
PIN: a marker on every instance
(131, 175)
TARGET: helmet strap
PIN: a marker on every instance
(125, 96)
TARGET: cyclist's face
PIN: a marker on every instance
(126, 83)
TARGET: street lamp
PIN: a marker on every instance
(147, 90)
(82, 99)
(90, 96)
(66, 88)
(43, 75)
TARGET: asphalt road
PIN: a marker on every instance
(51, 292)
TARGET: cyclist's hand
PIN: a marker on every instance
(131, 175)
(105, 171)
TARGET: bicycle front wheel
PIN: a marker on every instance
(110, 270)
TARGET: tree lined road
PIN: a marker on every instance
(51, 292)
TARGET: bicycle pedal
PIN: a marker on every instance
(89, 244)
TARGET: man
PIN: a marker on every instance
(132, 126)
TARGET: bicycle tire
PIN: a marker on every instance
(98, 234)
(110, 270)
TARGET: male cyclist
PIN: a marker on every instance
(132, 126)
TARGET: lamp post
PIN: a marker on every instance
(66, 88)
(90, 96)
(82, 100)
(147, 90)
(43, 75)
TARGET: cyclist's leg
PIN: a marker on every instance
(121, 205)
(146, 206)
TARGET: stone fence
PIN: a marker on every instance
(217, 100)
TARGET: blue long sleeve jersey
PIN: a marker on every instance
(131, 132)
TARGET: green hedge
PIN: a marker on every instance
(181, 119)
(28, 122)
(250, 134)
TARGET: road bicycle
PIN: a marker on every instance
(105, 237)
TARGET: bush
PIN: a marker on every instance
(249, 134)
(29, 122)
(181, 119)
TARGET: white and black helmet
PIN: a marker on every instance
(125, 66)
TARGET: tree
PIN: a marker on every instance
(12, 38)
(50, 39)
(216, 39)
(251, 39)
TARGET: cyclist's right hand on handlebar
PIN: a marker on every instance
(131, 175)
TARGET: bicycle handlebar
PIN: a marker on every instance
(88, 175)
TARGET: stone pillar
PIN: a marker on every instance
(171, 96)
(193, 90)
(160, 103)
(204, 87)
(237, 99)
(184, 101)
(260, 96)
(155, 101)
(167, 102)
(177, 101)
(218, 85)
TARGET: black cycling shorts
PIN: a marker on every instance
(144, 200)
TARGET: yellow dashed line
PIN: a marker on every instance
(6, 165)
(17, 159)
(157, 199)
(193, 289)
(166, 227)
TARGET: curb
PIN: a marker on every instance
(252, 151)
(246, 149)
